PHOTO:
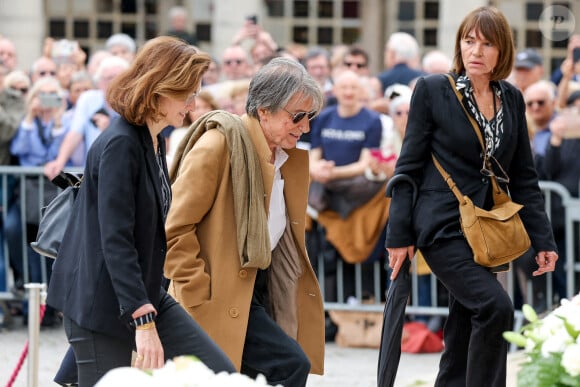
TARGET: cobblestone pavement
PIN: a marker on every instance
(348, 367)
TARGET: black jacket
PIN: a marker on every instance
(438, 124)
(111, 260)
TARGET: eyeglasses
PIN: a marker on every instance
(489, 173)
(190, 99)
(401, 112)
(44, 73)
(228, 62)
(540, 102)
(358, 65)
(296, 118)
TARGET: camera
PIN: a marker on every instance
(63, 50)
(50, 100)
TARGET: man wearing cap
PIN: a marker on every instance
(528, 69)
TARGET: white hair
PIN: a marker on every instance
(404, 46)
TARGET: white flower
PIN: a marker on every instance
(556, 343)
(183, 371)
(571, 359)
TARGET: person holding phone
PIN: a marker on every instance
(570, 69)
(37, 142)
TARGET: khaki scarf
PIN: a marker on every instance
(248, 185)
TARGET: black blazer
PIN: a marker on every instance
(111, 260)
(438, 124)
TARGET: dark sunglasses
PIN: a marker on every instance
(231, 61)
(43, 73)
(540, 103)
(358, 65)
(489, 173)
(296, 118)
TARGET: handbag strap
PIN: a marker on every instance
(498, 194)
(447, 177)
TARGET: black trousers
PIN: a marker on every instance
(96, 353)
(479, 312)
(268, 350)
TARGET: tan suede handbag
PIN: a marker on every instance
(497, 236)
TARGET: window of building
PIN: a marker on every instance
(300, 34)
(534, 11)
(91, 22)
(406, 10)
(431, 10)
(351, 9)
(300, 8)
(324, 35)
(81, 29)
(350, 35)
(430, 37)
(275, 8)
(203, 32)
(57, 28)
(533, 39)
(325, 9)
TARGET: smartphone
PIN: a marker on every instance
(64, 48)
(252, 19)
(50, 100)
(576, 54)
(378, 154)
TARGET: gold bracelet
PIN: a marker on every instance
(145, 326)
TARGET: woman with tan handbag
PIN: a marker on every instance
(440, 128)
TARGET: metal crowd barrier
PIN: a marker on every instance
(14, 177)
(436, 308)
(379, 268)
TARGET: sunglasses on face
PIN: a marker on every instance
(296, 118)
(358, 65)
(539, 102)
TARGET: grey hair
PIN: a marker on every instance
(81, 76)
(277, 82)
(398, 101)
(39, 84)
(110, 62)
(404, 45)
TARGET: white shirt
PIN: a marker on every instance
(277, 214)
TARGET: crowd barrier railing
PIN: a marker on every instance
(436, 307)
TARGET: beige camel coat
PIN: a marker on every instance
(202, 258)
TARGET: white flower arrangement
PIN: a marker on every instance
(182, 371)
(552, 346)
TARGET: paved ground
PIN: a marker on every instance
(345, 367)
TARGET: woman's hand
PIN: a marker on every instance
(397, 256)
(149, 349)
(546, 261)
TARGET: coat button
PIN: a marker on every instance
(483, 180)
(243, 273)
(233, 312)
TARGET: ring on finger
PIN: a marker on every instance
(139, 357)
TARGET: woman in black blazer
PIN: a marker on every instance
(108, 277)
(479, 308)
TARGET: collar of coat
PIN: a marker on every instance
(253, 237)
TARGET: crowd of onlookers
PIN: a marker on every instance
(51, 113)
